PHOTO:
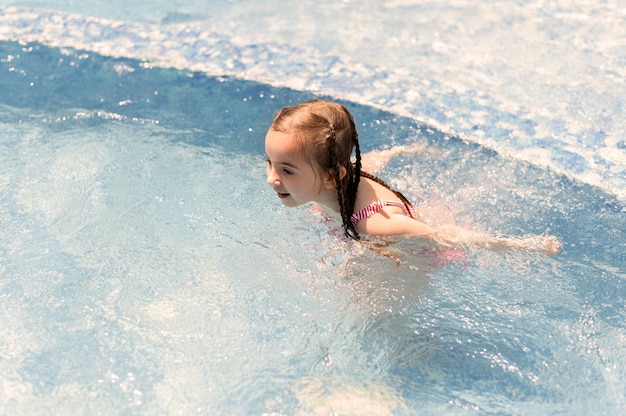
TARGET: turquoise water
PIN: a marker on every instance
(145, 268)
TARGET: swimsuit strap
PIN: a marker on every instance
(374, 207)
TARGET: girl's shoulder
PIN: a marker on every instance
(370, 191)
(373, 197)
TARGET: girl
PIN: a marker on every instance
(309, 150)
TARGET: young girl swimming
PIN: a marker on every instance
(309, 150)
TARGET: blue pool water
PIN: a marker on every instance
(145, 268)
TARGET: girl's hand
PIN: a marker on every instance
(546, 244)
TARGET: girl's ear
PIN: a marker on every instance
(329, 182)
(342, 172)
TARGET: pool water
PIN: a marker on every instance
(146, 267)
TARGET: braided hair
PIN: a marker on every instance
(328, 136)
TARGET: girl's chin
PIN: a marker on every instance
(289, 202)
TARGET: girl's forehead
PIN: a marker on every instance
(283, 144)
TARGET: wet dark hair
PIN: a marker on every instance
(327, 134)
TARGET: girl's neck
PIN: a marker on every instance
(329, 201)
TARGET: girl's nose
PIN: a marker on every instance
(272, 178)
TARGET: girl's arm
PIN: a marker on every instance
(455, 236)
(386, 224)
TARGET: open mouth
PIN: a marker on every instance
(282, 194)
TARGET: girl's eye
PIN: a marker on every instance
(288, 172)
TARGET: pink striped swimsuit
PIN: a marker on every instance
(374, 207)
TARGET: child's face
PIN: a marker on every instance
(289, 173)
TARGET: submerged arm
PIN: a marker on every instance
(454, 236)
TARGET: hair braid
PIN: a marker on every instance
(354, 176)
(346, 189)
